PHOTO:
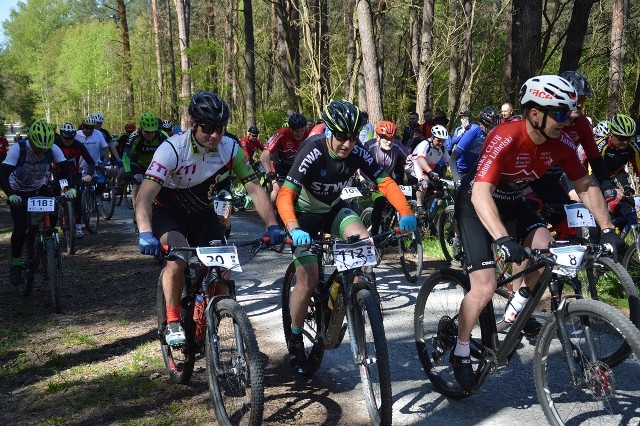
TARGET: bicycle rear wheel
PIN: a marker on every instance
(446, 223)
(127, 195)
(631, 263)
(108, 201)
(90, 213)
(373, 358)
(601, 393)
(68, 225)
(234, 367)
(314, 346)
(178, 360)
(365, 217)
(410, 247)
(29, 268)
(435, 327)
(53, 272)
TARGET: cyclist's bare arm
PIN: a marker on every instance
(590, 194)
(482, 200)
(265, 160)
(144, 202)
(262, 203)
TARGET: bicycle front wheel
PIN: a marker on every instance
(446, 232)
(53, 272)
(410, 247)
(435, 326)
(90, 213)
(234, 367)
(108, 201)
(373, 358)
(631, 263)
(127, 195)
(69, 227)
(599, 392)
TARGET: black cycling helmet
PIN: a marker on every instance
(254, 130)
(342, 116)
(489, 117)
(208, 108)
(297, 121)
(579, 82)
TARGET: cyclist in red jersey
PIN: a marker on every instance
(282, 148)
(514, 155)
(251, 144)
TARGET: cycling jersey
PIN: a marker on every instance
(250, 147)
(392, 160)
(510, 160)
(94, 143)
(32, 174)
(141, 151)
(284, 145)
(190, 174)
(469, 147)
(616, 159)
(73, 153)
(435, 158)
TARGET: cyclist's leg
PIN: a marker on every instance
(20, 226)
(379, 204)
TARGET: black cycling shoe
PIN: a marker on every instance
(463, 371)
(296, 351)
(532, 327)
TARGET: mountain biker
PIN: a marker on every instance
(251, 144)
(23, 175)
(515, 154)
(74, 151)
(601, 130)
(281, 150)
(424, 165)
(139, 150)
(389, 153)
(175, 199)
(167, 127)
(466, 152)
(309, 202)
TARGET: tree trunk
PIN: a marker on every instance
(126, 50)
(509, 80)
(156, 37)
(426, 58)
(369, 61)
(172, 66)
(616, 59)
(526, 39)
(285, 61)
(576, 32)
(325, 63)
(414, 35)
(351, 52)
(469, 10)
(250, 66)
(211, 77)
(231, 89)
(183, 37)
(634, 109)
(310, 31)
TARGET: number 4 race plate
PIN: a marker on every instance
(578, 215)
(354, 255)
(224, 256)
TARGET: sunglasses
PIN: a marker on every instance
(344, 136)
(88, 128)
(560, 115)
(623, 138)
(210, 129)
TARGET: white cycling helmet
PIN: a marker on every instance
(439, 131)
(601, 130)
(98, 117)
(89, 120)
(67, 130)
(548, 91)
(167, 124)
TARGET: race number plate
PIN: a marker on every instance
(63, 183)
(41, 204)
(637, 202)
(578, 215)
(354, 255)
(223, 208)
(350, 192)
(568, 259)
(224, 256)
(406, 190)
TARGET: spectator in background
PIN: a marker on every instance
(507, 113)
(429, 122)
(4, 146)
(465, 124)
(441, 118)
(408, 132)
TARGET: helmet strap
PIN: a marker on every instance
(540, 129)
(330, 147)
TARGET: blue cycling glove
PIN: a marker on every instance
(300, 237)
(408, 223)
(276, 235)
(148, 244)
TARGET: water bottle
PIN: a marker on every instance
(434, 205)
(198, 308)
(333, 293)
(516, 304)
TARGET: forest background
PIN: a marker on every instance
(63, 59)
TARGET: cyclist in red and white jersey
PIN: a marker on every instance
(514, 155)
(281, 149)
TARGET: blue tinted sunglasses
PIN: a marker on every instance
(560, 115)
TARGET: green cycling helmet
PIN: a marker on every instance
(41, 134)
(622, 125)
(149, 122)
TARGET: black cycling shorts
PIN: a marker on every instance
(518, 218)
(199, 228)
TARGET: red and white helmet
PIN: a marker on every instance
(548, 91)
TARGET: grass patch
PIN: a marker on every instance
(72, 336)
(431, 248)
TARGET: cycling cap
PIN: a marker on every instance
(149, 122)
(254, 130)
(208, 108)
(68, 131)
(167, 124)
(89, 120)
(297, 121)
(129, 127)
(98, 117)
(602, 129)
(489, 117)
(548, 91)
(386, 129)
(439, 131)
(342, 116)
(622, 125)
(579, 82)
(41, 134)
